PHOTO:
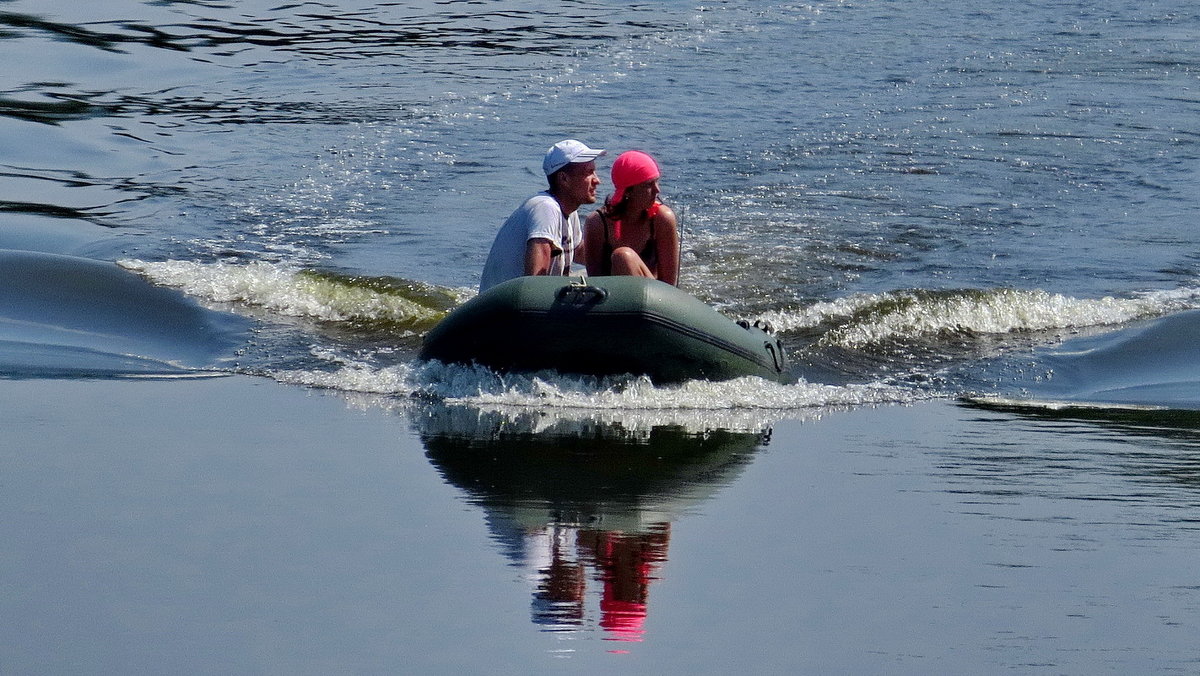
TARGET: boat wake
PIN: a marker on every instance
(1154, 364)
(71, 317)
(390, 304)
(864, 321)
(747, 403)
(898, 347)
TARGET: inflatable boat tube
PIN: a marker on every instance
(603, 326)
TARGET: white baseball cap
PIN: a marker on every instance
(567, 152)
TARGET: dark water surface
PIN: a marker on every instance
(934, 203)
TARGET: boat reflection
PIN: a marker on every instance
(582, 506)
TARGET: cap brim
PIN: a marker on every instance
(588, 155)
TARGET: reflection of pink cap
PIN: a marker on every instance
(623, 620)
(630, 169)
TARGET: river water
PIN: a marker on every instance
(973, 227)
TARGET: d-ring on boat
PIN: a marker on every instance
(603, 326)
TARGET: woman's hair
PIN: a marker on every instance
(614, 210)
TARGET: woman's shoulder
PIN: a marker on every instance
(662, 213)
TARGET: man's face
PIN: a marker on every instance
(579, 182)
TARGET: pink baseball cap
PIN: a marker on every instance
(567, 152)
(630, 169)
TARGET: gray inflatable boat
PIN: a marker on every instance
(603, 326)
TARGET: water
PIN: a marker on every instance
(949, 186)
(929, 201)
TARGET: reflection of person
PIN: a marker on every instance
(633, 233)
(624, 563)
(542, 235)
(558, 603)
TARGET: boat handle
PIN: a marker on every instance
(776, 351)
(580, 292)
(760, 324)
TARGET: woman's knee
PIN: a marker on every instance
(626, 261)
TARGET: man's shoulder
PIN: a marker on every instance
(541, 200)
(541, 205)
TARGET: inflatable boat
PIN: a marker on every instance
(603, 326)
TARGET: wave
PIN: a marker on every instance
(1154, 364)
(64, 316)
(854, 322)
(381, 302)
(404, 309)
(944, 323)
(871, 320)
(633, 402)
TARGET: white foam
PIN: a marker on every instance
(743, 403)
(1060, 405)
(864, 320)
(283, 290)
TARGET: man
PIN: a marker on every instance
(541, 237)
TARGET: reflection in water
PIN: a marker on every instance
(622, 565)
(1170, 423)
(1152, 453)
(13, 22)
(583, 507)
(336, 35)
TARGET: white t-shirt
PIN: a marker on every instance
(539, 217)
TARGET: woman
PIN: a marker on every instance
(633, 233)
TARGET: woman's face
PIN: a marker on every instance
(642, 195)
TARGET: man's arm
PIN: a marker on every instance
(538, 253)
